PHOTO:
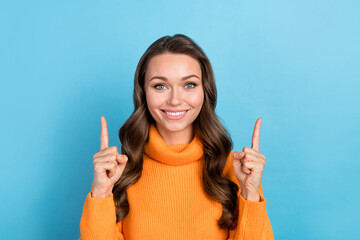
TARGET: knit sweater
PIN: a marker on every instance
(168, 201)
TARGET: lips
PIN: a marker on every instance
(174, 114)
(169, 110)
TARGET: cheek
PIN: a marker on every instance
(196, 100)
(153, 100)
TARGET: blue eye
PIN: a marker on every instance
(192, 85)
(159, 86)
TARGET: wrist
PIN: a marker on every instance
(95, 194)
(254, 197)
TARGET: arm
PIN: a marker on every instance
(253, 222)
(98, 220)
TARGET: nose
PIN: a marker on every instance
(175, 97)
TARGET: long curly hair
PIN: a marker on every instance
(217, 142)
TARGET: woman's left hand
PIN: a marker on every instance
(249, 166)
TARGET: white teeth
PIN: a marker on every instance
(175, 113)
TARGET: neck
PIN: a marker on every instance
(176, 137)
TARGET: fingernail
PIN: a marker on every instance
(120, 157)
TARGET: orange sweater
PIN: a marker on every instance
(168, 201)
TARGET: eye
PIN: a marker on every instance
(191, 85)
(159, 86)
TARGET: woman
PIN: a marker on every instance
(176, 177)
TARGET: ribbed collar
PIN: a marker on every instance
(180, 154)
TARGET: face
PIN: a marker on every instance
(174, 91)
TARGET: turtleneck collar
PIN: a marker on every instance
(179, 154)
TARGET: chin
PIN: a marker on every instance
(177, 127)
(174, 127)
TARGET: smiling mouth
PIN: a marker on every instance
(174, 113)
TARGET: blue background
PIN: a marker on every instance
(295, 64)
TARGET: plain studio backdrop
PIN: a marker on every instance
(295, 64)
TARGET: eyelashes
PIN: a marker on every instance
(191, 83)
(157, 86)
(161, 86)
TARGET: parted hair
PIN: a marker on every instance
(217, 143)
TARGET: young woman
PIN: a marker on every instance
(176, 177)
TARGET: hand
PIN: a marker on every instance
(108, 165)
(249, 166)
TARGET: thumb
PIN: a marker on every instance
(117, 175)
(122, 160)
(239, 155)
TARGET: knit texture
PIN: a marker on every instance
(168, 201)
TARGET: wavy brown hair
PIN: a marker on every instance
(216, 140)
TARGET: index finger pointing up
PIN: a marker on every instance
(104, 137)
(256, 135)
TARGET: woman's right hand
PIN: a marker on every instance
(108, 165)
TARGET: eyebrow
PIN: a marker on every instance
(165, 79)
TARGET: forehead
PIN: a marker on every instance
(173, 66)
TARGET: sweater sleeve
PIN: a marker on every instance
(98, 220)
(253, 222)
